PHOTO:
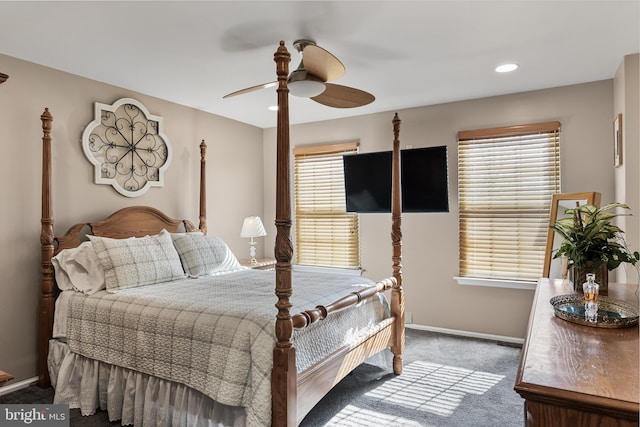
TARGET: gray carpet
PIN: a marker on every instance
(447, 381)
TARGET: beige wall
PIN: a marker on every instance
(234, 166)
(627, 176)
(430, 241)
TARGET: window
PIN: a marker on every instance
(326, 235)
(506, 177)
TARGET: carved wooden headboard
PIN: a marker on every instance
(133, 221)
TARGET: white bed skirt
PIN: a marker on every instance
(132, 397)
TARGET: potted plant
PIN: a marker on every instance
(592, 243)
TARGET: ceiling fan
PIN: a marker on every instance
(310, 79)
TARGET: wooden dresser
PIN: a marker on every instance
(572, 375)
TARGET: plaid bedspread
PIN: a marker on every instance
(215, 334)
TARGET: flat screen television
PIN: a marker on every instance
(423, 176)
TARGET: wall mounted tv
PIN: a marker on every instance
(425, 188)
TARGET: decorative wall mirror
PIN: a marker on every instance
(127, 147)
(554, 268)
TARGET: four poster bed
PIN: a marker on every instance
(150, 356)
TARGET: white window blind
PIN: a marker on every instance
(506, 177)
(326, 235)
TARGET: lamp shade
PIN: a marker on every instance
(252, 227)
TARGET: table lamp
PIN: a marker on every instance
(252, 227)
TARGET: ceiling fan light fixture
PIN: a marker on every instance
(306, 88)
(305, 85)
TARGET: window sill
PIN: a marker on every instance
(496, 283)
(336, 270)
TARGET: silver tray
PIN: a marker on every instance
(611, 313)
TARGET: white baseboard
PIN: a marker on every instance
(490, 337)
(18, 386)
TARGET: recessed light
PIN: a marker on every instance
(273, 108)
(506, 68)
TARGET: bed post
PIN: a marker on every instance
(283, 375)
(45, 310)
(202, 225)
(397, 294)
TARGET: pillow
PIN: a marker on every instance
(204, 255)
(79, 269)
(133, 262)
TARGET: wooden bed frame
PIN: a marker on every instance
(293, 394)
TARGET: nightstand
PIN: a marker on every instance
(261, 264)
(4, 377)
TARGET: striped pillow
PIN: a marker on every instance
(133, 262)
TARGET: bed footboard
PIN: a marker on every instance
(315, 382)
(308, 317)
(289, 391)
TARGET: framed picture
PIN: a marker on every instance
(617, 141)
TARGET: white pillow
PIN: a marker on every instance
(204, 255)
(133, 262)
(79, 269)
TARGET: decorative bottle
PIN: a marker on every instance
(590, 289)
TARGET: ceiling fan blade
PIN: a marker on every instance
(339, 96)
(322, 63)
(250, 89)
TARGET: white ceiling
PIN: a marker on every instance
(407, 53)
